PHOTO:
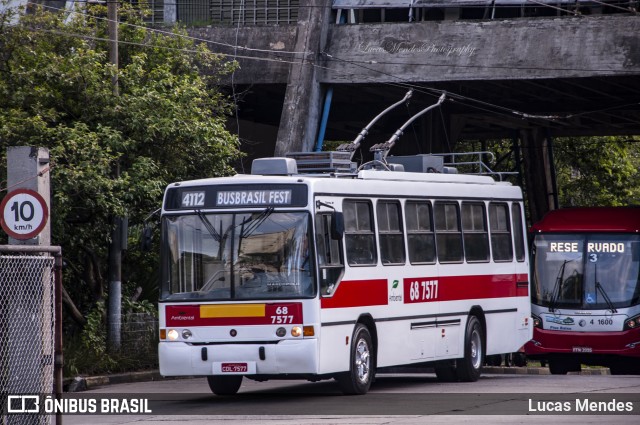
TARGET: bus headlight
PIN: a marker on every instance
(537, 323)
(172, 335)
(632, 323)
(296, 331)
(186, 334)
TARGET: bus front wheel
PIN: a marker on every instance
(469, 368)
(361, 366)
(224, 385)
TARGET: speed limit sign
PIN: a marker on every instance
(24, 214)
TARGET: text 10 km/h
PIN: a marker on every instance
(420, 291)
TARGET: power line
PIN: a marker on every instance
(404, 83)
(89, 37)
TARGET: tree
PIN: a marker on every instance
(111, 155)
(598, 171)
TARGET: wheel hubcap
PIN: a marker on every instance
(476, 350)
(362, 360)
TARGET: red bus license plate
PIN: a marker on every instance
(582, 349)
(234, 367)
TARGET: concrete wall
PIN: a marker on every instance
(447, 50)
(273, 40)
(484, 50)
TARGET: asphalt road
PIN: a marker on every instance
(397, 399)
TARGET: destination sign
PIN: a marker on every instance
(253, 197)
(597, 247)
(236, 196)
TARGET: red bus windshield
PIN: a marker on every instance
(586, 271)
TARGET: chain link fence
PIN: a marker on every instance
(140, 338)
(27, 329)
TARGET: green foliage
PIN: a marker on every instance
(111, 155)
(598, 171)
(590, 171)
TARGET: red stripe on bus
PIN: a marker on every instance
(358, 293)
(455, 288)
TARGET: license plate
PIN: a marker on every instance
(582, 349)
(231, 367)
(234, 367)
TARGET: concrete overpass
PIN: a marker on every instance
(525, 78)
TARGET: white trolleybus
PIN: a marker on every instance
(295, 273)
(585, 289)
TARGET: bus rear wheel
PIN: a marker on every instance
(361, 366)
(469, 367)
(224, 385)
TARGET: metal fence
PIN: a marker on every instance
(28, 347)
(234, 12)
(140, 339)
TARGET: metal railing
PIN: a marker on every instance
(476, 163)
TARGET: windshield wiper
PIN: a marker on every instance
(557, 287)
(255, 222)
(602, 291)
(207, 224)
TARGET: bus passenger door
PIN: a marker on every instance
(328, 235)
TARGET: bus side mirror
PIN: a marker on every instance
(146, 238)
(337, 225)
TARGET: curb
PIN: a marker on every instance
(80, 383)
(539, 371)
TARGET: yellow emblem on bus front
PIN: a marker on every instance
(232, 310)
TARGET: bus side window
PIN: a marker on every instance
(474, 228)
(390, 232)
(518, 233)
(448, 234)
(420, 237)
(329, 254)
(359, 234)
(500, 232)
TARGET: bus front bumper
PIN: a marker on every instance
(623, 343)
(283, 357)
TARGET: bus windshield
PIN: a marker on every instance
(586, 271)
(225, 256)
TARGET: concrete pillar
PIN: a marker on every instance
(27, 168)
(170, 11)
(535, 159)
(28, 314)
(303, 99)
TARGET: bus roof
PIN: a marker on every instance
(590, 219)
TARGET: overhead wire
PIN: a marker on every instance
(614, 6)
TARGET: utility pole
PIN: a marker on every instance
(118, 240)
(112, 18)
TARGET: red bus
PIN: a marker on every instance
(585, 289)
